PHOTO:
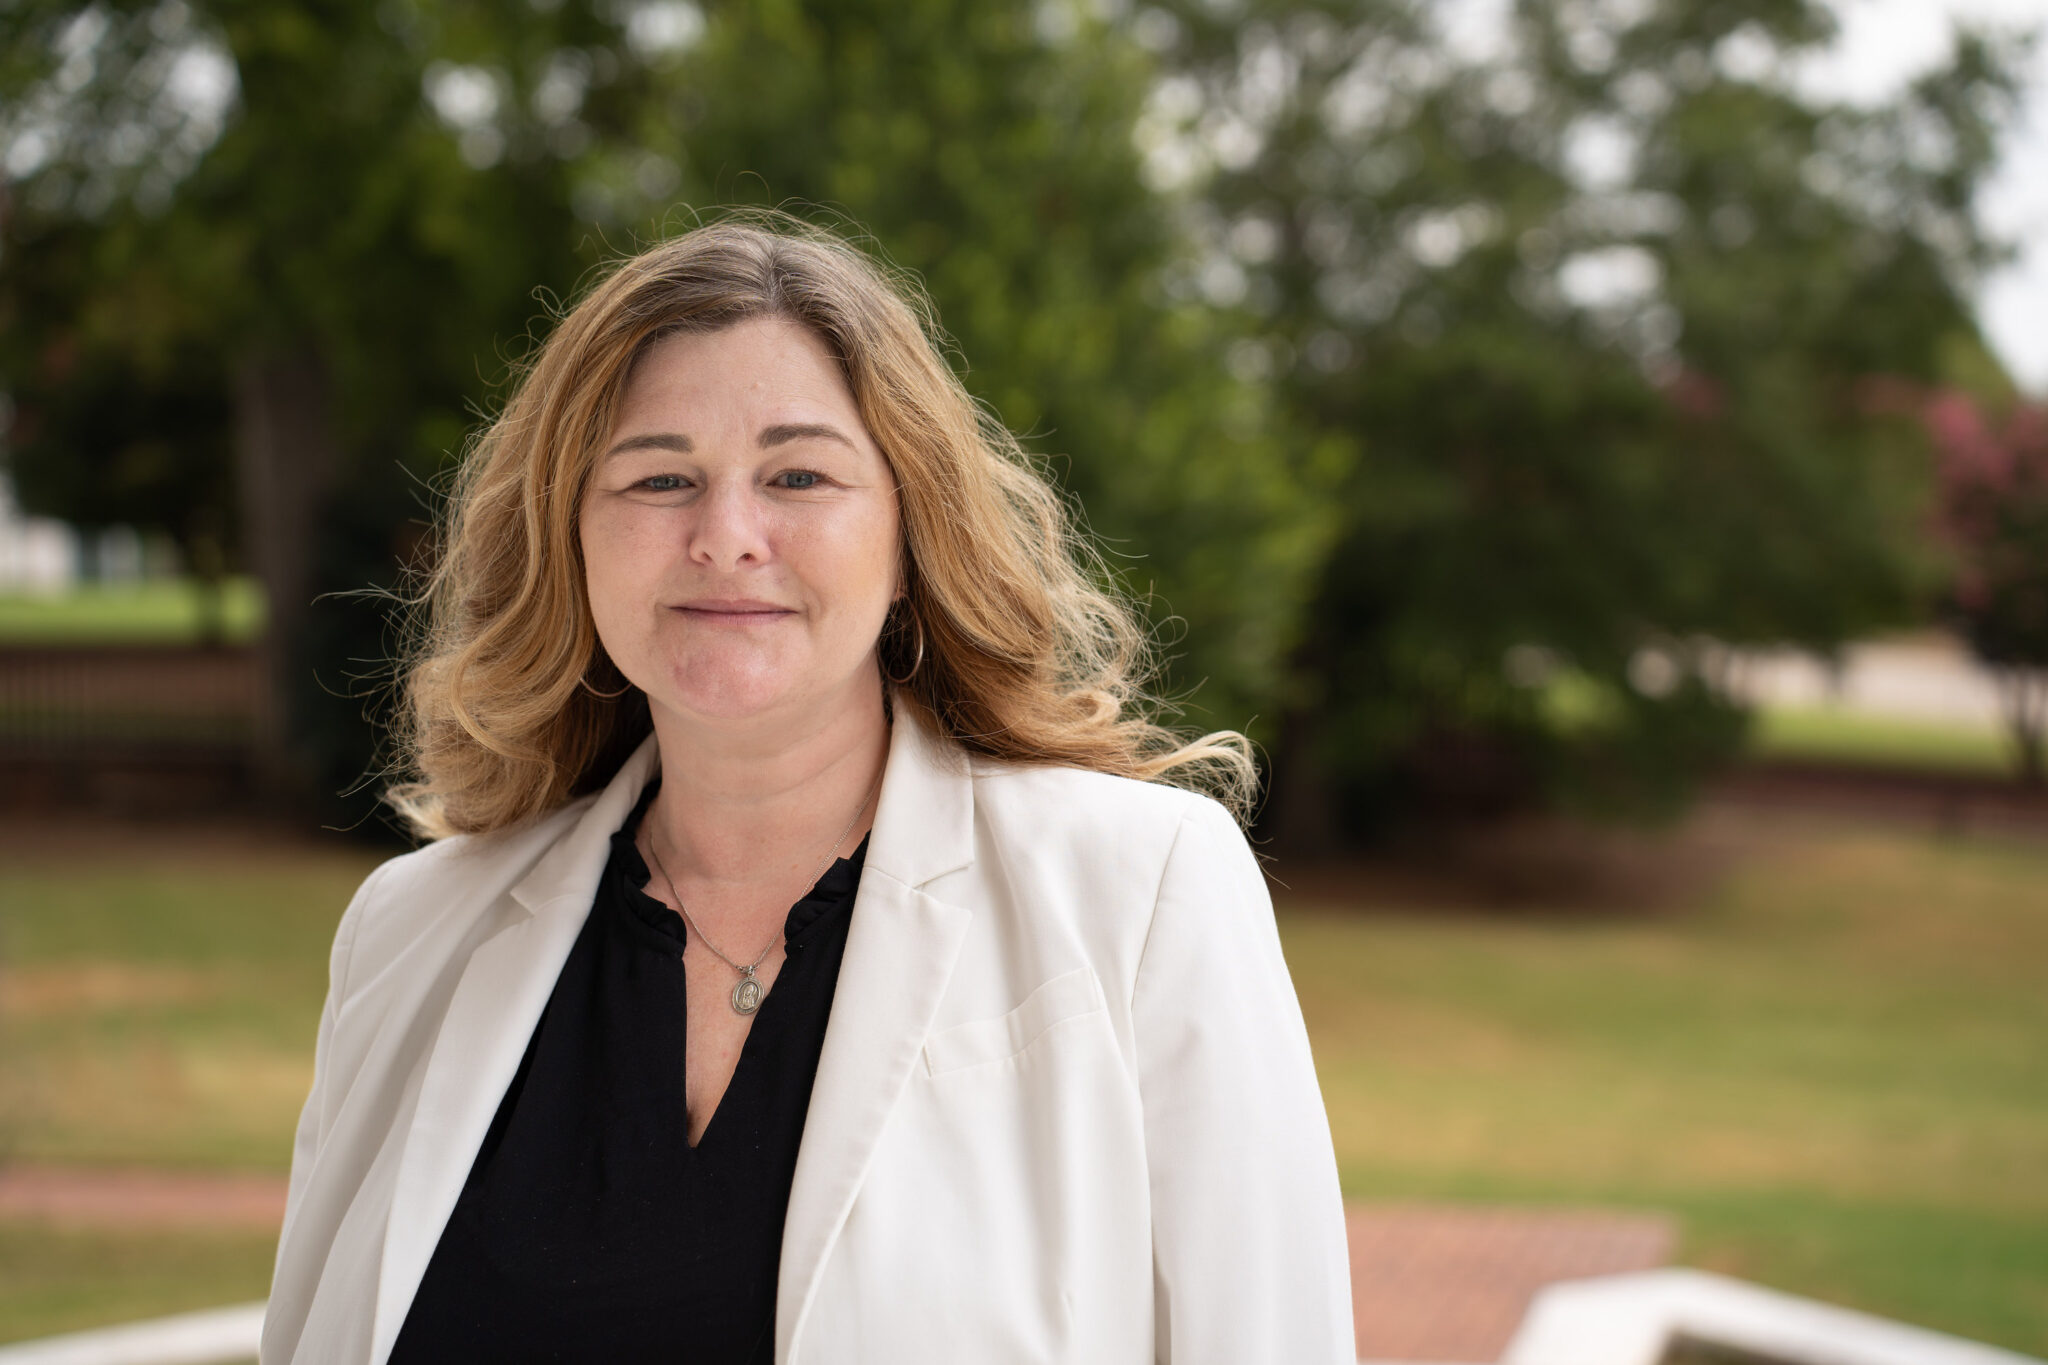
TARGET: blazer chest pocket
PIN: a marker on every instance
(980, 1041)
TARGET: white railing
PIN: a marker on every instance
(1636, 1319)
(1609, 1320)
(216, 1336)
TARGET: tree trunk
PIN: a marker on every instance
(2025, 694)
(207, 562)
(1301, 810)
(287, 457)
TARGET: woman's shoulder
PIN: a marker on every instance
(478, 858)
(1098, 810)
(1094, 859)
(1007, 780)
(437, 891)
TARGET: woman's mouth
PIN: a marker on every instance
(736, 611)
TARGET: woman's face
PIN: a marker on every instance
(740, 532)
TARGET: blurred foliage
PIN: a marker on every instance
(99, 443)
(257, 185)
(1405, 374)
(1593, 304)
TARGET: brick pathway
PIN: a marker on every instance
(141, 1199)
(1430, 1282)
(1451, 1282)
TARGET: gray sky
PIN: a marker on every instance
(1885, 43)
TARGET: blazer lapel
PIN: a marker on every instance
(900, 948)
(491, 1016)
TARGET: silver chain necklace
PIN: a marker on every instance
(748, 991)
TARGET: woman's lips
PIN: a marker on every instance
(743, 612)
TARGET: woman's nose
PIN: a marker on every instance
(730, 528)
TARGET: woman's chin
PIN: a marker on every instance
(728, 689)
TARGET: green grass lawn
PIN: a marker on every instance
(1824, 735)
(54, 1281)
(1831, 1066)
(1829, 734)
(159, 611)
(159, 1009)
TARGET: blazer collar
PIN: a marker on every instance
(924, 825)
(901, 946)
(570, 868)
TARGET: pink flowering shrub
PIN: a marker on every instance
(1993, 515)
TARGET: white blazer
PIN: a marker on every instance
(1065, 1109)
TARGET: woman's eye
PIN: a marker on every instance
(662, 483)
(798, 478)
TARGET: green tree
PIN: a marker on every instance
(133, 435)
(1594, 306)
(304, 207)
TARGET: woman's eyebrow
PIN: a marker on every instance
(785, 432)
(654, 440)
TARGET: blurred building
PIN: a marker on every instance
(1927, 676)
(36, 553)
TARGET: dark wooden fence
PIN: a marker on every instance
(127, 727)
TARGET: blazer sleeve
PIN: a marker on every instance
(317, 1114)
(1250, 1261)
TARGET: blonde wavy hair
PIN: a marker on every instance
(1027, 656)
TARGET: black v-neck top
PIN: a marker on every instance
(589, 1229)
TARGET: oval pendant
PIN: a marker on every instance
(746, 996)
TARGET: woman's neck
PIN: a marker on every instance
(758, 802)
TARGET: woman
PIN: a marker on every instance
(809, 963)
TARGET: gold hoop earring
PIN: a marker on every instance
(584, 683)
(916, 661)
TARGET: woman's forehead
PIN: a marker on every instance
(771, 376)
(758, 362)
